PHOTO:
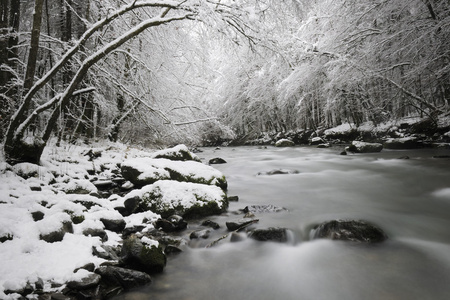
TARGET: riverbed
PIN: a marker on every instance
(408, 198)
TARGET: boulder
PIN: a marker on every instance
(239, 224)
(349, 230)
(140, 172)
(203, 234)
(57, 235)
(284, 143)
(270, 234)
(142, 256)
(116, 225)
(363, 147)
(125, 278)
(316, 141)
(167, 198)
(217, 160)
(211, 224)
(96, 232)
(403, 143)
(171, 224)
(86, 282)
(143, 171)
(180, 152)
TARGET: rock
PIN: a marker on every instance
(238, 224)
(91, 280)
(142, 257)
(171, 249)
(216, 161)
(317, 141)
(269, 208)
(180, 153)
(6, 237)
(139, 172)
(37, 215)
(211, 224)
(349, 230)
(233, 198)
(79, 187)
(144, 171)
(324, 145)
(172, 223)
(125, 278)
(403, 143)
(271, 234)
(279, 172)
(204, 234)
(189, 200)
(284, 143)
(363, 147)
(106, 252)
(88, 267)
(96, 232)
(236, 237)
(116, 225)
(58, 235)
(343, 153)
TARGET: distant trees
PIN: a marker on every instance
(327, 62)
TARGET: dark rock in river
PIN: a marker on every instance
(125, 278)
(211, 224)
(279, 172)
(139, 256)
(352, 230)
(203, 234)
(172, 223)
(217, 160)
(233, 198)
(238, 224)
(269, 234)
(269, 208)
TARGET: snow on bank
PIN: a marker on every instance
(43, 198)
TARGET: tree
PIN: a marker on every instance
(20, 147)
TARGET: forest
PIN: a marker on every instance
(168, 71)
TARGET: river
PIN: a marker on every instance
(408, 198)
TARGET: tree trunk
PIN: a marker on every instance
(34, 45)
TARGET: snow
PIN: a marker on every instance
(64, 170)
(174, 194)
(442, 193)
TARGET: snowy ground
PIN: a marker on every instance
(53, 190)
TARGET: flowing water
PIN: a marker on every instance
(408, 198)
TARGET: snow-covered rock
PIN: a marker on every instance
(168, 197)
(284, 143)
(141, 171)
(363, 147)
(180, 152)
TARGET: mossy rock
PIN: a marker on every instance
(142, 257)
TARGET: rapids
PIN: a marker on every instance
(408, 198)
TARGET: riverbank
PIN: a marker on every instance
(82, 224)
(405, 133)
